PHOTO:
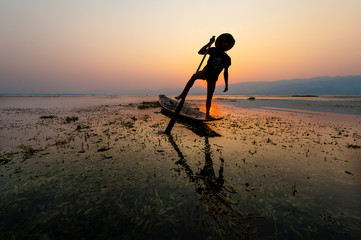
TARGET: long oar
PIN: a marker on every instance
(181, 103)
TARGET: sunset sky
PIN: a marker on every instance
(88, 46)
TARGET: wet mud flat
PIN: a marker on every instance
(108, 172)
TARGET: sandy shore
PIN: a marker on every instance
(108, 171)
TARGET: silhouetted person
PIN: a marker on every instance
(218, 60)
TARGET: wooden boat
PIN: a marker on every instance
(187, 113)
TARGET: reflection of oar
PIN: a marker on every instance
(182, 161)
(181, 103)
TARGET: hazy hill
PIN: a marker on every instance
(339, 85)
(319, 85)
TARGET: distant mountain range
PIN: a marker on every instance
(339, 85)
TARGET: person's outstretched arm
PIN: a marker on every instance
(203, 50)
(225, 74)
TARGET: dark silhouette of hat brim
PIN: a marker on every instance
(228, 38)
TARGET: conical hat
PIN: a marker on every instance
(225, 37)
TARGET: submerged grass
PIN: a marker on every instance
(28, 151)
(147, 105)
(186, 188)
(4, 160)
(226, 99)
(47, 116)
(127, 124)
(353, 146)
(71, 119)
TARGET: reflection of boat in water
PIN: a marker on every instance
(187, 113)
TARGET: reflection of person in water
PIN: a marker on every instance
(208, 185)
(212, 183)
(214, 195)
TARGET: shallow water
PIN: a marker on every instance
(334, 104)
(112, 174)
(67, 102)
(327, 103)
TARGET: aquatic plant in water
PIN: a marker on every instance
(27, 151)
(146, 105)
(71, 119)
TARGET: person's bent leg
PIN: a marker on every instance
(196, 76)
(211, 86)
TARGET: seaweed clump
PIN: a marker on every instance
(27, 151)
(147, 105)
(47, 116)
(71, 119)
(353, 146)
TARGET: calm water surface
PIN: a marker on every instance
(327, 103)
(112, 174)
